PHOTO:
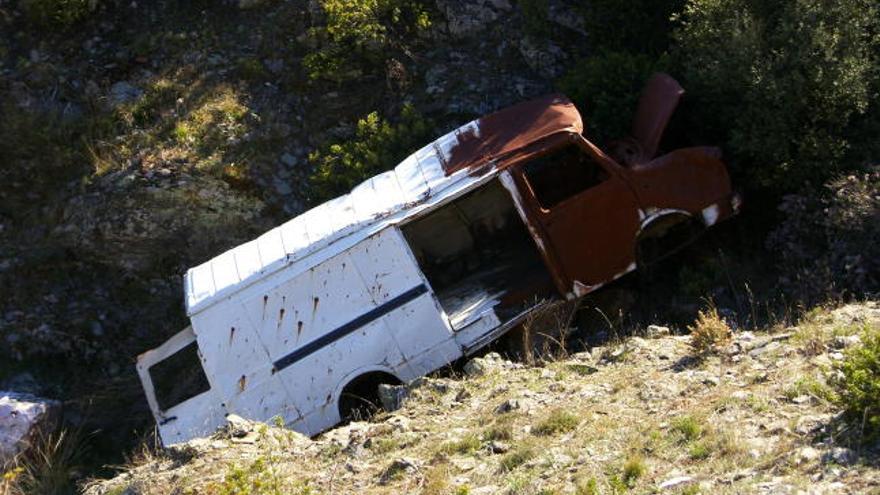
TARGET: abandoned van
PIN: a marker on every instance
(426, 263)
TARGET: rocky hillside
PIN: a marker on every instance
(642, 415)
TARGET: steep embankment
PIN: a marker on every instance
(643, 415)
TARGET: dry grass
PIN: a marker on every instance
(710, 333)
(625, 427)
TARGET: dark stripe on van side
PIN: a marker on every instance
(348, 328)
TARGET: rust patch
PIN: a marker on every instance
(315, 304)
(242, 383)
(231, 335)
(299, 328)
(502, 133)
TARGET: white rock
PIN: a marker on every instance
(807, 455)
(841, 456)
(657, 331)
(465, 17)
(22, 418)
(674, 482)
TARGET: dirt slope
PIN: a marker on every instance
(639, 416)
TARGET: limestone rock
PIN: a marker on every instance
(467, 17)
(393, 397)
(23, 418)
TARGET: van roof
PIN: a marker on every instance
(426, 174)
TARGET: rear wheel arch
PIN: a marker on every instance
(359, 397)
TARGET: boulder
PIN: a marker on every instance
(543, 57)
(23, 419)
(392, 397)
(467, 17)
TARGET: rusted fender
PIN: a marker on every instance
(687, 179)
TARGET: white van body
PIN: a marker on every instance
(284, 322)
(426, 263)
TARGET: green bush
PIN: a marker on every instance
(557, 421)
(606, 88)
(535, 15)
(858, 384)
(780, 81)
(826, 244)
(359, 35)
(61, 13)
(377, 146)
(639, 26)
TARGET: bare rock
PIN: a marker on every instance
(497, 447)
(23, 418)
(846, 341)
(675, 482)
(807, 455)
(393, 397)
(508, 406)
(480, 366)
(544, 57)
(654, 331)
(123, 92)
(398, 468)
(238, 427)
(468, 17)
(841, 456)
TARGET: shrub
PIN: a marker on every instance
(687, 428)
(558, 421)
(633, 469)
(535, 15)
(60, 13)
(639, 26)
(606, 88)
(359, 34)
(780, 81)
(857, 384)
(517, 457)
(377, 146)
(709, 333)
(466, 445)
(826, 244)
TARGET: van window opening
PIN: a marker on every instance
(179, 377)
(478, 255)
(562, 174)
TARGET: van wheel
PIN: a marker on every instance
(665, 238)
(359, 399)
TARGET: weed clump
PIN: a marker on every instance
(558, 421)
(857, 384)
(57, 13)
(377, 146)
(468, 444)
(517, 457)
(687, 427)
(710, 332)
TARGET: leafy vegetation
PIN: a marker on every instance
(57, 13)
(557, 421)
(606, 86)
(357, 36)
(857, 384)
(640, 26)
(780, 82)
(378, 145)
